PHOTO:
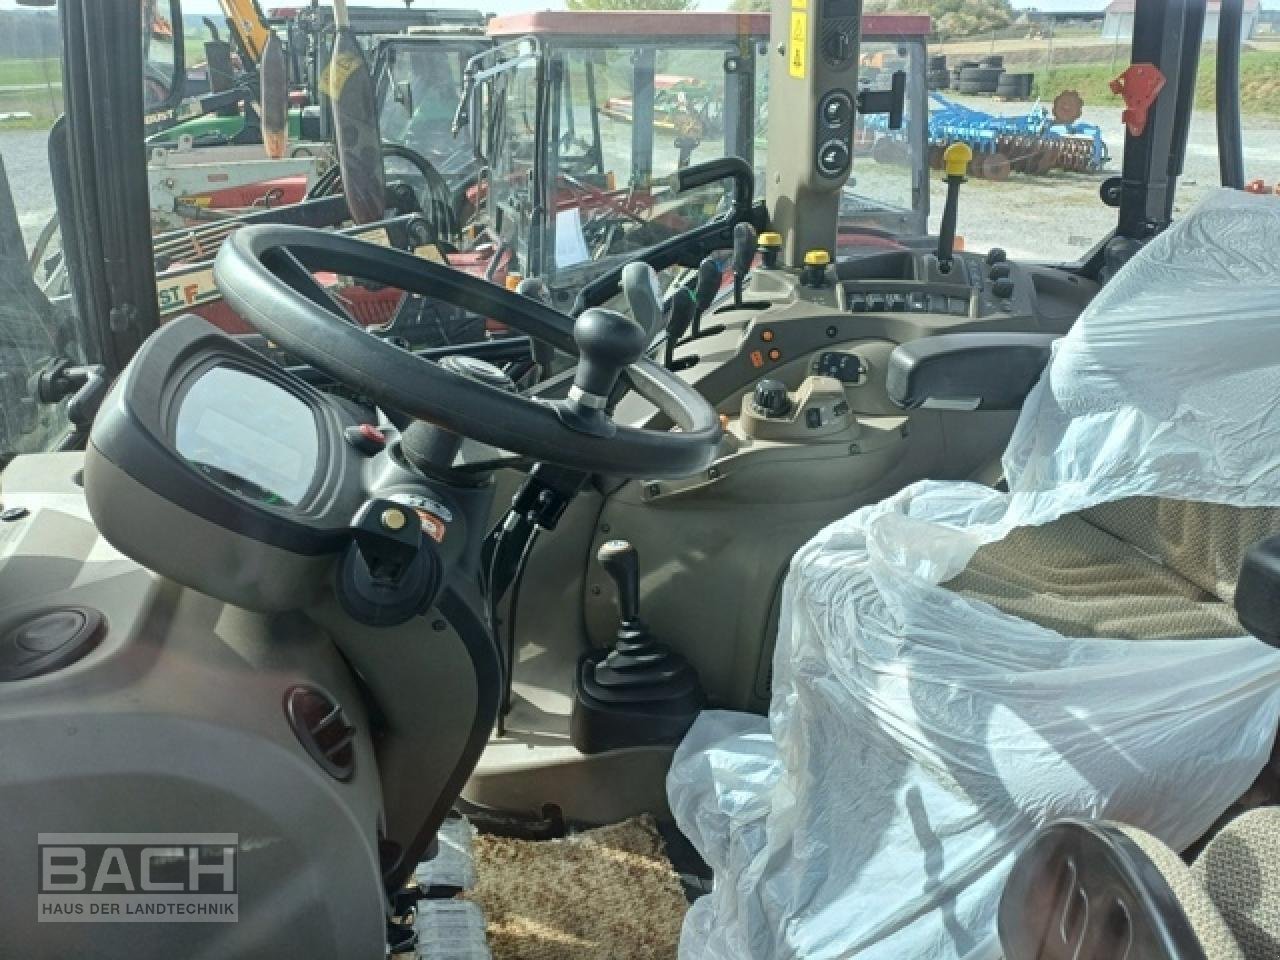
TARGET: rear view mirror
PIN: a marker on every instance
(163, 60)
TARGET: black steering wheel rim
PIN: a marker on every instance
(257, 272)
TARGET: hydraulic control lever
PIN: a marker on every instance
(956, 162)
(745, 243)
(710, 276)
(682, 308)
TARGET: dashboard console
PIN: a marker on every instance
(213, 466)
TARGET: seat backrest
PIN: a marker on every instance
(1086, 891)
(1202, 542)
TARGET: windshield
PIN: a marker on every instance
(581, 133)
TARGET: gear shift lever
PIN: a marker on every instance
(639, 691)
(622, 564)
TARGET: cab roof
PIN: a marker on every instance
(679, 24)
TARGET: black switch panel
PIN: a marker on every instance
(845, 367)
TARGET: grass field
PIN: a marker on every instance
(27, 72)
(1259, 82)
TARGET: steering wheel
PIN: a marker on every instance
(263, 271)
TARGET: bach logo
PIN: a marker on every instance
(138, 877)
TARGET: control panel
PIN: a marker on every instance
(815, 44)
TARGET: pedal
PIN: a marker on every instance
(453, 868)
(450, 930)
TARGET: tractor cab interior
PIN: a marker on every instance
(651, 525)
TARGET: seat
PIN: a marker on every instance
(1139, 568)
(1104, 891)
(957, 666)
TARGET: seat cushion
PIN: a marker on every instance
(1202, 542)
(1216, 936)
(1240, 869)
(1083, 581)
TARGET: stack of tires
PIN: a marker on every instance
(960, 68)
(939, 76)
(979, 79)
(1015, 86)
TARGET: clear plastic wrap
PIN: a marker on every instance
(915, 737)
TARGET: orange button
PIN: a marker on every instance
(757, 359)
(775, 354)
(766, 336)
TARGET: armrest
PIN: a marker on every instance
(967, 371)
(1257, 598)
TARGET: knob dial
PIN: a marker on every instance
(1003, 288)
(996, 255)
(770, 399)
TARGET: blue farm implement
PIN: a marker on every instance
(1035, 142)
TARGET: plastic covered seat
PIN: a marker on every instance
(1104, 891)
(958, 666)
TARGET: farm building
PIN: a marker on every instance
(1118, 24)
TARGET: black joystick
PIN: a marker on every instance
(608, 342)
(640, 692)
(643, 295)
(745, 243)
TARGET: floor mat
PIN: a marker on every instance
(604, 893)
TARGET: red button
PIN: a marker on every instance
(373, 434)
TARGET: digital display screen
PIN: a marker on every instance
(249, 436)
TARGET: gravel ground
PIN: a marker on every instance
(1059, 216)
(26, 160)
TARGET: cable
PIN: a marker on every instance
(512, 610)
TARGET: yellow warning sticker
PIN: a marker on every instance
(335, 76)
(799, 42)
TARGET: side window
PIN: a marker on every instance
(1032, 101)
(40, 321)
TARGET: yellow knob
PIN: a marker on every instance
(817, 258)
(956, 159)
(770, 240)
